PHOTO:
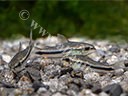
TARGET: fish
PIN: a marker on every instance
(66, 47)
(21, 56)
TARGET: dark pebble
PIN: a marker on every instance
(115, 49)
(113, 90)
(73, 87)
(96, 88)
(34, 73)
(7, 85)
(126, 63)
(65, 71)
(88, 86)
(36, 85)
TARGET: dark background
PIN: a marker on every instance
(95, 19)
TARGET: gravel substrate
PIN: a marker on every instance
(39, 76)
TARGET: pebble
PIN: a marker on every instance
(17, 92)
(96, 88)
(73, 87)
(114, 48)
(113, 59)
(41, 90)
(72, 93)
(119, 72)
(113, 90)
(8, 76)
(126, 74)
(24, 83)
(39, 85)
(124, 85)
(58, 94)
(103, 94)
(124, 94)
(6, 58)
(89, 93)
(93, 76)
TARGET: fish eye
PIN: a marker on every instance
(87, 48)
(66, 59)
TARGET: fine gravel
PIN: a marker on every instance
(40, 76)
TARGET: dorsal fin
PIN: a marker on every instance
(20, 46)
(31, 43)
(62, 38)
(30, 36)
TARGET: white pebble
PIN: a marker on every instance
(103, 94)
(92, 76)
(6, 58)
(113, 59)
(58, 94)
(89, 93)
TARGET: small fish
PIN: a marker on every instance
(89, 62)
(22, 55)
(67, 47)
(95, 65)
